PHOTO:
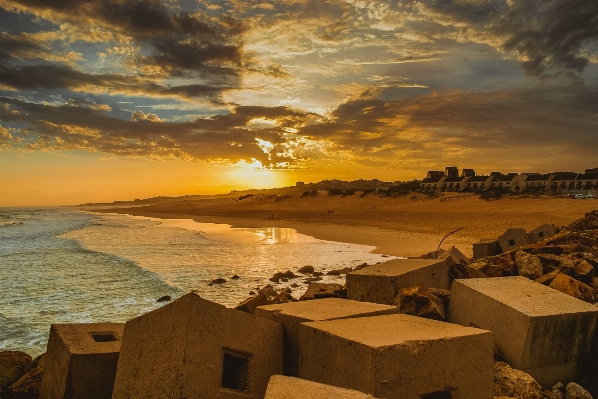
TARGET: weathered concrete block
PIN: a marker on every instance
(290, 315)
(194, 348)
(399, 357)
(381, 283)
(541, 233)
(281, 387)
(81, 361)
(513, 239)
(537, 329)
(486, 248)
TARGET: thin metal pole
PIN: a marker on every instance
(452, 232)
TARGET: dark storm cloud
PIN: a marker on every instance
(49, 77)
(547, 35)
(178, 42)
(76, 125)
(487, 123)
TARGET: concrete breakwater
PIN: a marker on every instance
(521, 324)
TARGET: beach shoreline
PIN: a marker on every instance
(407, 226)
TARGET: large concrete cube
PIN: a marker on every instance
(399, 357)
(381, 283)
(81, 361)
(194, 348)
(536, 328)
(290, 315)
(281, 387)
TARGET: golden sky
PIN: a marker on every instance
(105, 100)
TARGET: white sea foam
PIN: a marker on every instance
(59, 266)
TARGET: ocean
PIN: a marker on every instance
(62, 265)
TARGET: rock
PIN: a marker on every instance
(311, 280)
(464, 271)
(294, 285)
(284, 296)
(557, 390)
(575, 391)
(560, 249)
(251, 293)
(283, 275)
(495, 266)
(514, 383)
(309, 269)
(13, 365)
(528, 265)
(443, 295)
(584, 271)
(268, 290)
(218, 280)
(587, 223)
(549, 262)
(324, 290)
(418, 301)
(359, 267)
(547, 278)
(338, 272)
(164, 298)
(249, 305)
(570, 286)
(235, 277)
(28, 386)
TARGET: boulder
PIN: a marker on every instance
(235, 277)
(418, 301)
(338, 272)
(284, 296)
(218, 280)
(547, 278)
(558, 390)
(249, 305)
(464, 271)
(13, 365)
(514, 383)
(575, 391)
(283, 275)
(570, 286)
(549, 262)
(584, 271)
(309, 269)
(164, 298)
(359, 267)
(324, 290)
(28, 386)
(589, 222)
(443, 295)
(528, 265)
(495, 266)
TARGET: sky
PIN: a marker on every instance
(104, 100)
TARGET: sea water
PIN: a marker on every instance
(59, 265)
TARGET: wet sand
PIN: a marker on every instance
(405, 226)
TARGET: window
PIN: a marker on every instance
(235, 370)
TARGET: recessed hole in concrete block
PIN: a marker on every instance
(104, 337)
(541, 234)
(235, 371)
(438, 395)
(511, 242)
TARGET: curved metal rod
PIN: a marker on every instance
(452, 232)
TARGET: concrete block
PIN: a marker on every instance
(537, 329)
(281, 387)
(381, 283)
(486, 248)
(290, 315)
(399, 357)
(81, 361)
(194, 348)
(542, 233)
(513, 239)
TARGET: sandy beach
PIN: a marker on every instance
(409, 225)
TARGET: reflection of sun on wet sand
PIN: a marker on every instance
(406, 226)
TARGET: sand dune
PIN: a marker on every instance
(405, 226)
